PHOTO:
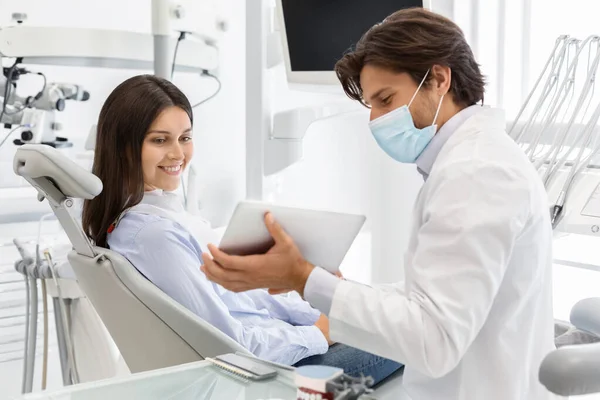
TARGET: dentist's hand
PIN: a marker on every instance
(281, 269)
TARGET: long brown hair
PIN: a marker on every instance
(412, 40)
(124, 120)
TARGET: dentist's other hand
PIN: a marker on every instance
(281, 269)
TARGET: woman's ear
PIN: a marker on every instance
(441, 79)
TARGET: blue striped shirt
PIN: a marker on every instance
(276, 328)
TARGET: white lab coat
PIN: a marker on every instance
(473, 319)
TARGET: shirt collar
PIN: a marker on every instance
(428, 156)
(163, 199)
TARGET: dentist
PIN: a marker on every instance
(473, 318)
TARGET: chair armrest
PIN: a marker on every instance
(572, 370)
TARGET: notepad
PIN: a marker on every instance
(243, 367)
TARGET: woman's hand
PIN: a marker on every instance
(323, 325)
(281, 269)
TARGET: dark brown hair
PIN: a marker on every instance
(124, 120)
(412, 40)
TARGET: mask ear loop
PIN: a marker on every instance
(417, 91)
(437, 112)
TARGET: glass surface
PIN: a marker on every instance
(197, 381)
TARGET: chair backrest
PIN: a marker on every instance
(150, 329)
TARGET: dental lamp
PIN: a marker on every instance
(35, 115)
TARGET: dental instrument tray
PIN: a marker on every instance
(323, 237)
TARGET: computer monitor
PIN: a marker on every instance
(316, 33)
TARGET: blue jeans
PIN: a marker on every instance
(354, 362)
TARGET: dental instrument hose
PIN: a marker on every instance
(25, 353)
(578, 169)
(552, 55)
(551, 113)
(555, 106)
(581, 100)
(10, 133)
(179, 39)
(65, 322)
(550, 84)
(45, 358)
(587, 138)
(45, 301)
(216, 92)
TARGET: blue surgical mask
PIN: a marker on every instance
(396, 134)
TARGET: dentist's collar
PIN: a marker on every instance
(429, 155)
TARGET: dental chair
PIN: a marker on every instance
(575, 370)
(150, 329)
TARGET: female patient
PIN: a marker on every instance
(144, 143)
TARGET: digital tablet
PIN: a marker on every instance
(323, 237)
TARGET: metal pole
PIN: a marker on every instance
(525, 48)
(162, 56)
(475, 27)
(258, 116)
(501, 43)
(162, 33)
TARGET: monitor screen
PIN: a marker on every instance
(319, 32)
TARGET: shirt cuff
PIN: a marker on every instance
(317, 343)
(303, 313)
(313, 316)
(320, 288)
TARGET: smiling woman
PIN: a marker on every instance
(167, 149)
(144, 142)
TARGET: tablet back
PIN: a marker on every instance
(323, 237)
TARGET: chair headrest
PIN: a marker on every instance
(42, 161)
